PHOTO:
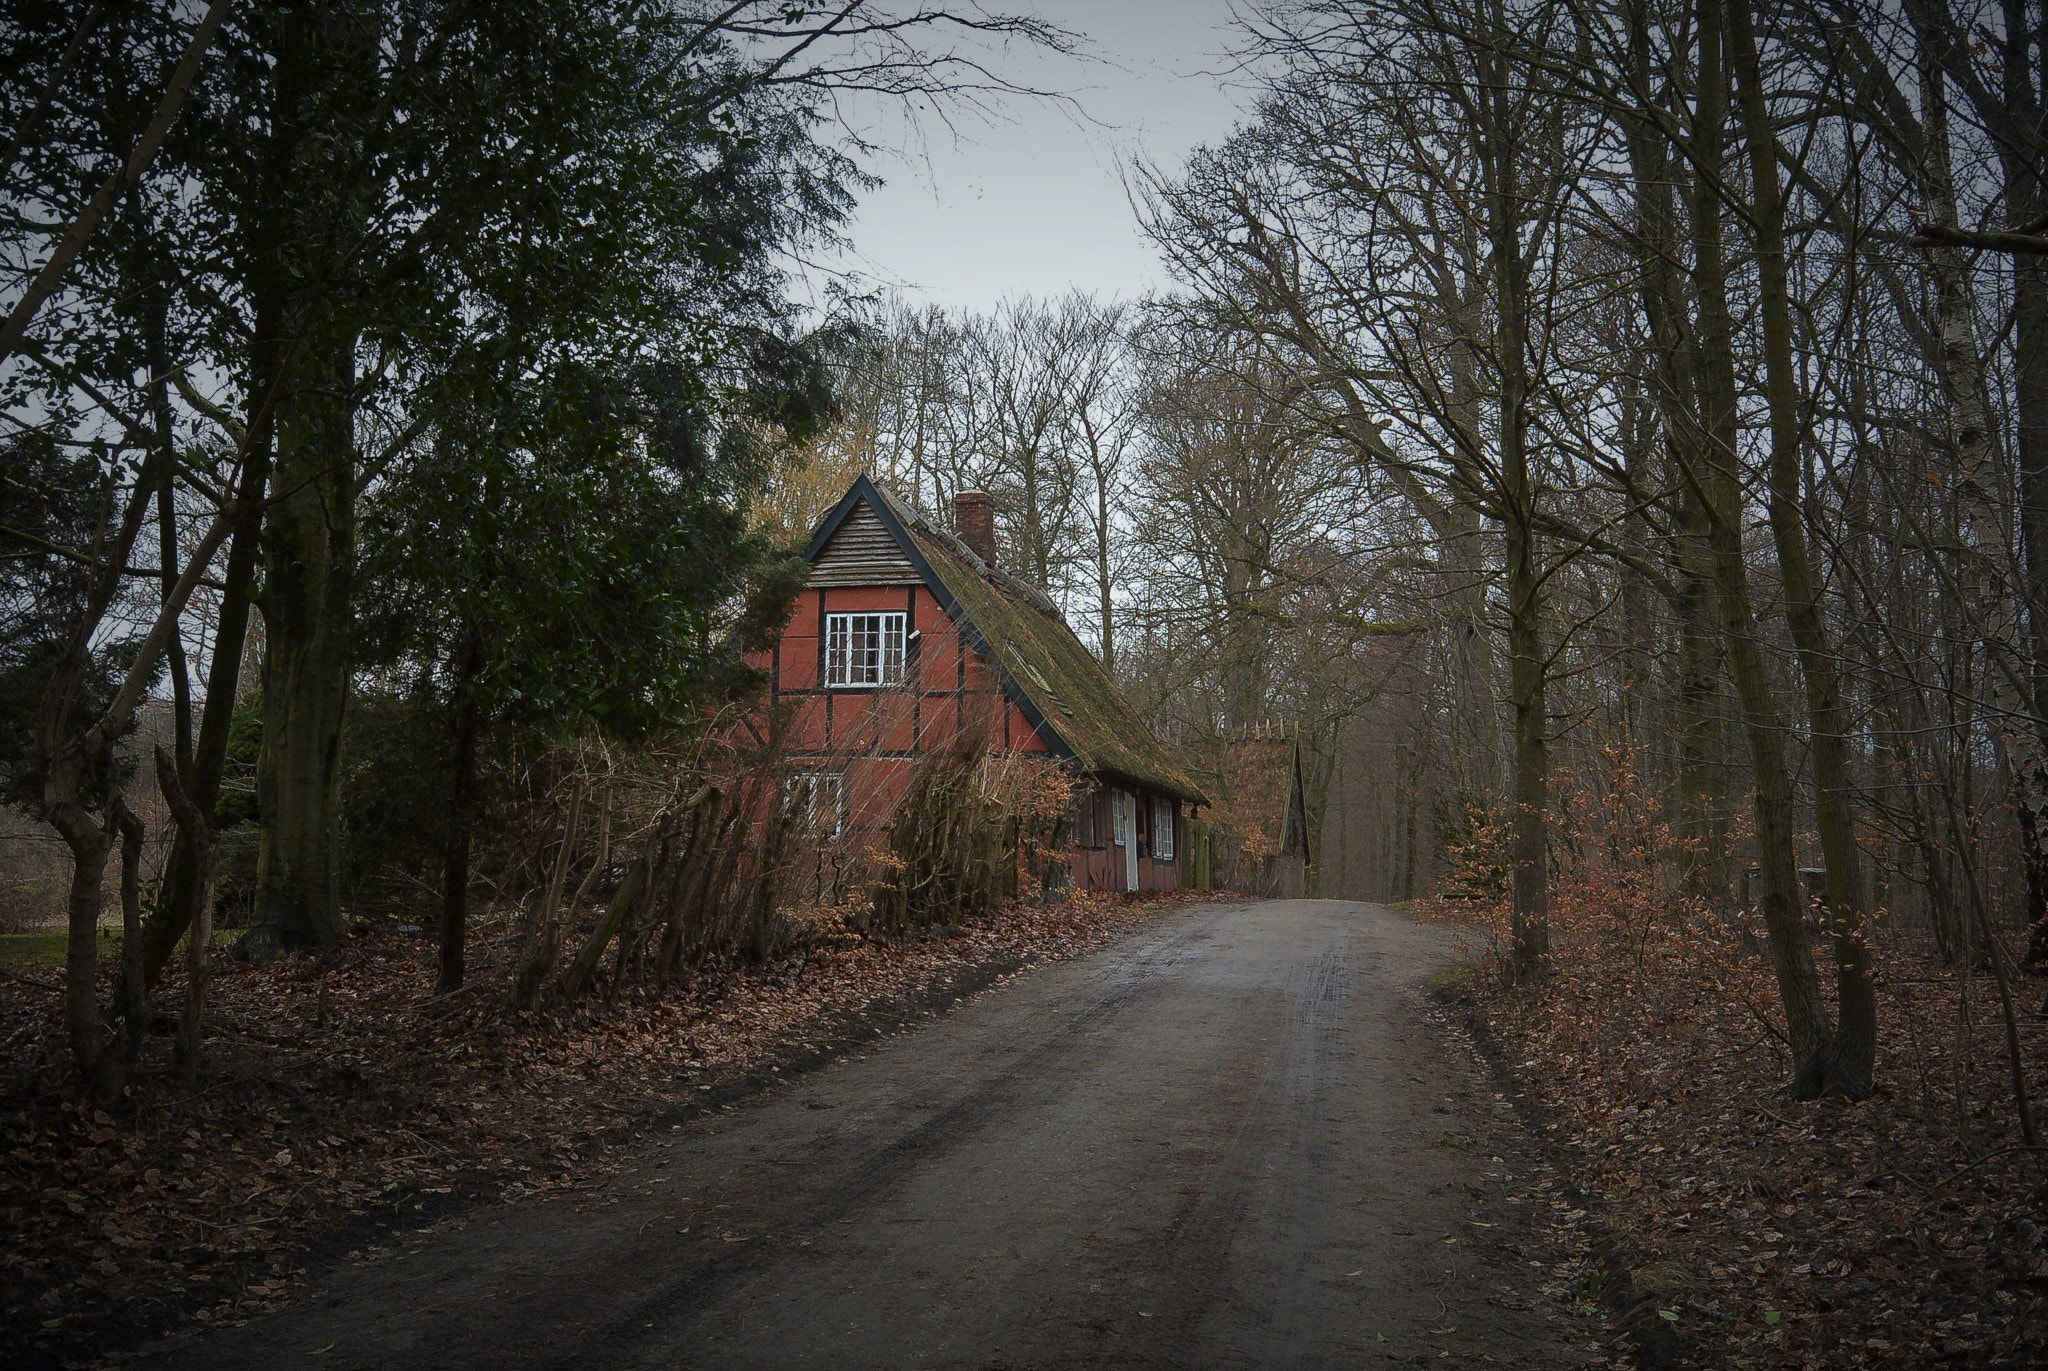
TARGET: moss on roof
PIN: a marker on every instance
(1060, 680)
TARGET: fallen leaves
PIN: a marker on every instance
(339, 1097)
(1904, 1230)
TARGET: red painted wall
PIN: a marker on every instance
(1098, 863)
(872, 736)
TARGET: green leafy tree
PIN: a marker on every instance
(433, 200)
(573, 553)
(329, 225)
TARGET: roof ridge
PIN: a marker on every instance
(1013, 586)
(1043, 665)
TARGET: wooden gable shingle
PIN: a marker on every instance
(871, 538)
(862, 551)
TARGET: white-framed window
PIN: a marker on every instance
(1162, 830)
(863, 650)
(819, 797)
(1120, 812)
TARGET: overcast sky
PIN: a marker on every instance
(1033, 202)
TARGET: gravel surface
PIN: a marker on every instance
(1232, 1139)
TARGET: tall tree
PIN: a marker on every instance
(1853, 1052)
(572, 552)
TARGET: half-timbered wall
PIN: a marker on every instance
(870, 736)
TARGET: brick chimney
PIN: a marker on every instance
(974, 519)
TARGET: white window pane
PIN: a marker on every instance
(835, 649)
(817, 798)
(892, 648)
(864, 649)
(830, 815)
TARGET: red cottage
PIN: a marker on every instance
(907, 632)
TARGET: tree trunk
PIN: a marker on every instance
(1702, 758)
(328, 92)
(178, 900)
(129, 976)
(91, 1048)
(2010, 111)
(69, 754)
(1718, 480)
(196, 828)
(1530, 917)
(1105, 578)
(1854, 1053)
(159, 354)
(461, 816)
(309, 573)
(1702, 820)
(1528, 669)
(2025, 200)
(1997, 610)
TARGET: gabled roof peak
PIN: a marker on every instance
(1013, 586)
(1049, 673)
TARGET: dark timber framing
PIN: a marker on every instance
(864, 491)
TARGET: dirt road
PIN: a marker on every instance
(1230, 1140)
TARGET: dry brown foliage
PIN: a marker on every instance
(973, 827)
(339, 1100)
(1904, 1230)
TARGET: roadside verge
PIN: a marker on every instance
(340, 1100)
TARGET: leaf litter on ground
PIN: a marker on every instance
(341, 1101)
(1906, 1230)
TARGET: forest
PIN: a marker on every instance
(1610, 435)
(1566, 408)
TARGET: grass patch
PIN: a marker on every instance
(46, 947)
(1663, 1278)
(1452, 978)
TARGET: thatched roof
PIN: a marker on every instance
(1047, 671)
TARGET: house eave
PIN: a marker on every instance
(1061, 746)
(865, 489)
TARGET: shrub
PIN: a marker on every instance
(972, 829)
